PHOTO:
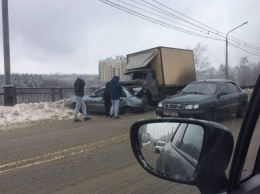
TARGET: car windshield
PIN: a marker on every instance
(142, 75)
(200, 88)
(161, 144)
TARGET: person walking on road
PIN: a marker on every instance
(79, 93)
(107, 99)
(115, 92)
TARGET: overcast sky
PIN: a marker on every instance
(71, 36)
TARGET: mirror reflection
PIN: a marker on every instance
(171, 148)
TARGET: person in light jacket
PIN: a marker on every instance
(115, 93)
(80, 104)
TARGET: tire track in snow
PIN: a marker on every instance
(5, 168)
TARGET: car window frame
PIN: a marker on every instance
(220, 88)
(187, 129)
(244, 140)
(182, 131)
(192, 161)
(230, 90)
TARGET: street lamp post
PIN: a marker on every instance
(227, 48)
(6, 42)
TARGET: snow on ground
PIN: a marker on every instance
(27, 114)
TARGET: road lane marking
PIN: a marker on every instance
(59, 154)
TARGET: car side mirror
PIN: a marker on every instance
(92, 95)
(193, 152)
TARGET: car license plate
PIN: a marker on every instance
(170, 113)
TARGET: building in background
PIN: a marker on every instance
(110, 67)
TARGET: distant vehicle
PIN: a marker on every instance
(160, 71)
(129, 102)
(207, 99)
(159, 145)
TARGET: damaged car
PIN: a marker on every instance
(129, 101)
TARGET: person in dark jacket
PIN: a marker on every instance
(115, 92)
(107, 99)
(79, 93)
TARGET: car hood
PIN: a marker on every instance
(186, 98)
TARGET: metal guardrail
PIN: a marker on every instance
(44, 94)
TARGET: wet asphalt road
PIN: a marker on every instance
(88, 157)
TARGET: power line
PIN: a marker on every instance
(156, 21)
(209, 36)
(205, 25)
(245, 50)
(217, 33)
(157, 15)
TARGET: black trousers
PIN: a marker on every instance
(107, 103)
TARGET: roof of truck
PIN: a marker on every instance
(159, 47)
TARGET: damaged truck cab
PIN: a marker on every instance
(160, 71)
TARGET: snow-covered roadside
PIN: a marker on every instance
(27, 114)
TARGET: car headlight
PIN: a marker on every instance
(192, 106)
(160, 105)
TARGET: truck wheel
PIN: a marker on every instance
(145, 103)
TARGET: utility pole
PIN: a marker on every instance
(9, 90)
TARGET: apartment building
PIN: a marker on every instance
(111, 67)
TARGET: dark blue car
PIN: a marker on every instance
(206, 99)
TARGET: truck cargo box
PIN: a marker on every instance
(173, 66)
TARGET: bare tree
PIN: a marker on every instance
(201, 58)
(246, 72)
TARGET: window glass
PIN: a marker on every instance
(140, 75)
(192, 141)
(201, 87)
(178, 136)
(100, 93)
(233, 88)
(224, 88)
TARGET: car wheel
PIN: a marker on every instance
(241, 112)
(212, 115)
(125, 109)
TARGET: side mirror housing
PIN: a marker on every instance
(187, 151)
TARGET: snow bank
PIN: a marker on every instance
(26, 114)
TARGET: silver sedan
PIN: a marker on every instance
(129, 102)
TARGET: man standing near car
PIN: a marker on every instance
(107, 99)
(115, 93)
(79, 93)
